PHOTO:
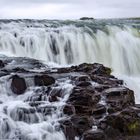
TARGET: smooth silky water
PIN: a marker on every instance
(114, 43)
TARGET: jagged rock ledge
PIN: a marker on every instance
(99, 107)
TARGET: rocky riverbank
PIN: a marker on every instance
(97, 107)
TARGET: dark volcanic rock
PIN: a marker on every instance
(68, 129)
(127, 122)
(81, 124)
(107, 102)
(1, 64)
(119, 97)
(43, 80)
(69, 109)
(90, 98)
(94, 69)
(83, 78)
(84, 96)
(91, 69)
(99, 110)
(106, 80)
(18, 85)
(94, 135)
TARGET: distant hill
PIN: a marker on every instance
(86, 18)
(137, 18)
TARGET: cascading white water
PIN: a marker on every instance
(20, 121)
(115, 47)
(112, 45)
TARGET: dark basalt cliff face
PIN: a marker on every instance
(99, 107)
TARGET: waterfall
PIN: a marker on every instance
(114, 46)
(63, 43)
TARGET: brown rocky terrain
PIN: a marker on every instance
(99, 106)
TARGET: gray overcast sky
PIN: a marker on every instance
(69, 9)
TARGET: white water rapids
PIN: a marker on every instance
(113, 46)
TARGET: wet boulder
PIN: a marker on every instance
(94, 69)
(106, 80)
(100, 87)
(68, 129)
(119, 97)
(75, 126)
(99, 111)
(82, 109)
(84, 96)
(127, 122)
(84, 99)
(18, 85)
(83, 78)
(83, 84)
(43, 80)
(81, 124)
(94, 135)
(69, 109)
(1, 64)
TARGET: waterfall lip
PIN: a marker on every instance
(73, 42)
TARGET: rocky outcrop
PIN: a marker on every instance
(108, 108)
(18, 85)
(43, 80)
(98, 107)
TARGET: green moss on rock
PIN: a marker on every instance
(134, 128)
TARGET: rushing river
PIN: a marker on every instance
(114, 43)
